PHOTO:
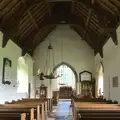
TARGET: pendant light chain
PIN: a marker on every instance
(62, 70)
(46, 63)
(49, 65)
(61, 50)
(50, 54)
(53, 59)
(50, 61)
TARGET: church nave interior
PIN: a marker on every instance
(59, 59)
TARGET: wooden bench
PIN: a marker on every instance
(49, 102)
(39, 109)
(95, 111)
(42, 104)
(16, 113)
(12, 116)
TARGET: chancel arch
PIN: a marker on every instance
(67, 75)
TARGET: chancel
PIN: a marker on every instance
(59, 59)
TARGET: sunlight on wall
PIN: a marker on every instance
(100, 80)
(22, 76)
(67, 76)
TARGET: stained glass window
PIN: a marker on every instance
(67, 77)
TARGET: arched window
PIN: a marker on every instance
(100, 80)
(67, 76)
(22, 76)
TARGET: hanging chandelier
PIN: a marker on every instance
(49, 66)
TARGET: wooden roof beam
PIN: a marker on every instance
(73, 6)
(45, 34)
(59, 0)
(30, 15)
(10, 29)
(110, 7)
(97, 42)
(93, 39)
(116, 3)
(49, 9)
(87, 22)
(96, 8)
(88, 17)
(109, 26)
(32, 19)
(113, 35)
(26, 39)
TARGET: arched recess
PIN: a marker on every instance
(22, 76)
(100, 80)
(69, 66)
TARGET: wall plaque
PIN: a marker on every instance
(115, 81)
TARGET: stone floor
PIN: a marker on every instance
(62, 111)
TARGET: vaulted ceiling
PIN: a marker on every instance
(28, 22)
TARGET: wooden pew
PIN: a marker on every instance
(104, 101)
(12, 116)
(38, 108)
(16, 113)
(42, 104)
(49, 102)
(95, 111)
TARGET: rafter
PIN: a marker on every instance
(30, 15)
(109, 26)
(32, 19)
(116, 3)
(97, 9)
(49, 9)
(10, 28)
(72, 6)
(94, 20)
(88, 18)
(90, 39)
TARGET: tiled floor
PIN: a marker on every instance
(53, 114)
(62, 111)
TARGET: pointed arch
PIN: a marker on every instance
(100, 80)
(102, 66)
(69, 66)
(22, 76)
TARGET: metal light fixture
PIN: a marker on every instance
(49, 66)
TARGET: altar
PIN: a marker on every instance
(65, 92)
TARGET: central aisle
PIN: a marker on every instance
(63, 110)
